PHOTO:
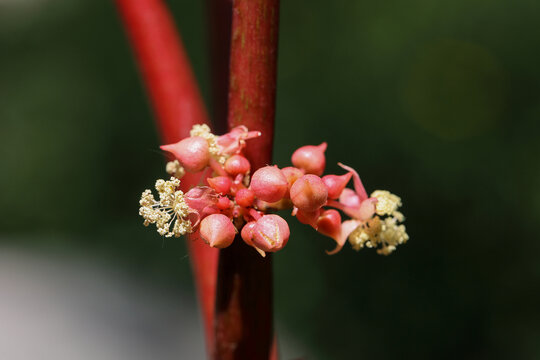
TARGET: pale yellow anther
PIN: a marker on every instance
(387, 202)
(384, 231)
(214, 148)
(174, 168)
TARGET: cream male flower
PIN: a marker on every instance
(384, 231)
(171, 209)
(174, 168)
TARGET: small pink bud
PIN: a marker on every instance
(247, 233)
(222, 184)
(237, 164)
(291, 174)
(329, 224)
(244, 197)
(217, 231)
(224, 203)
(335, 184)
(309, 193)
(269, 184)
(271, 233)
(310, 158)
(192, 153)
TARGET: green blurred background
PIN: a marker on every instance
(437, 101)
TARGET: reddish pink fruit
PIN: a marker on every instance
(222, 184)
(310, 158)
(269, 184)
(192, 153)
(217, 231)
(335, 184)
(237, 164)
(309, 193)
(270, 233)
(244, 197)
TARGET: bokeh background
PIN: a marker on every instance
(437, 101)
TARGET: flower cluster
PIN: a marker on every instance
(233, 200)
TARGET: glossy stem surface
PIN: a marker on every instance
(219, 35)
(244, 311)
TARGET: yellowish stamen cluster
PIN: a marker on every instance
(383, 231)
(175, 169)
(204, 131)
(387, 203)
(171, 208)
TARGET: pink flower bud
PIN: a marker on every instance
(270, 233)
(269, 184)
(291, 174)
(244, 197)
(310, 158)
(222, 184)
(309, 193)
(224, 203)
(237, 164)
(329, 224)
(335, 184)
(192, 153)
(217, 231)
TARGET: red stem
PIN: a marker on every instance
(178, 106)
(219, 26)
(244, 314)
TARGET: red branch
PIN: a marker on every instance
(178, 105)
(244, 316)
(219, 26)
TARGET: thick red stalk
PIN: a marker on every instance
(178, 106)
(244, 314)
(219, 33)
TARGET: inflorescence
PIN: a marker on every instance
(234, 202)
